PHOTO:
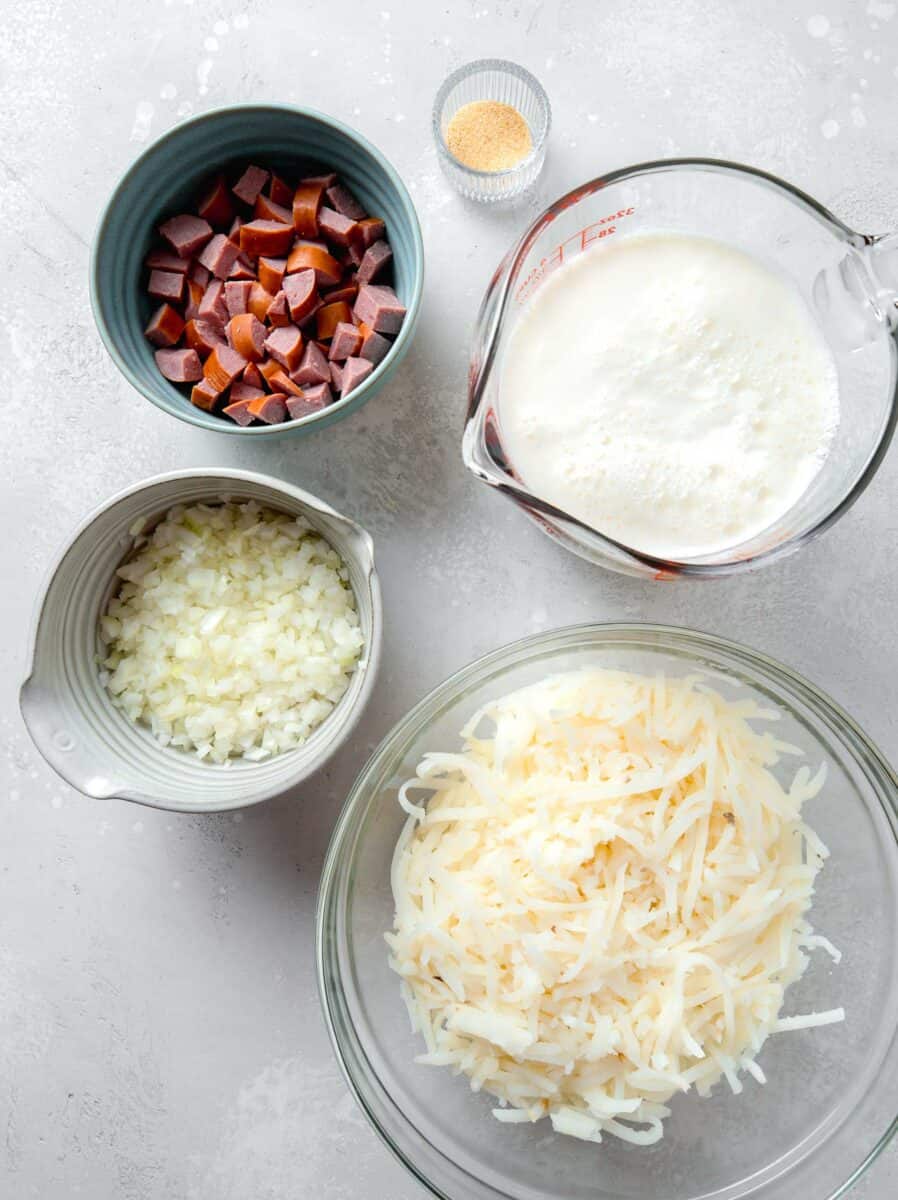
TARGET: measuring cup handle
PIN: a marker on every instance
(882, 261)
(857, 295)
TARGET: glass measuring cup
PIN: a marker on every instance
(849, 281)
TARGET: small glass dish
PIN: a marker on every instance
(507, 83)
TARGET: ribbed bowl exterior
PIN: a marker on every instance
(507, 83)
(68, 712)
(165, 180)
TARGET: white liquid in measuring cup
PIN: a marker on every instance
(671, 391)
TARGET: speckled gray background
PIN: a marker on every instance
(159, 1029)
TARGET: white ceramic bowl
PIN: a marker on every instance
(68, 712)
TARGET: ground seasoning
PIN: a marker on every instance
(488, 136)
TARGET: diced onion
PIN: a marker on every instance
(233, 633)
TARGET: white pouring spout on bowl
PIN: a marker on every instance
(848, 280)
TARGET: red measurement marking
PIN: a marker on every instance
(569, 248)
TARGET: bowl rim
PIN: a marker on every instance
(382, 371)
(219, 478)
(868, 755)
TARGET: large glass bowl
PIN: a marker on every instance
(849, 281)
(831, 1100)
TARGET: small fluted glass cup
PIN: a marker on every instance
(505, 82)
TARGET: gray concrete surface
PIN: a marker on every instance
(160, 1037)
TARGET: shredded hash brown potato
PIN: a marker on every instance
(601, 900)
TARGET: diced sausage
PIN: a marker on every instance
(306, 203)
(193, 299)
(308, 324)
(280, 191)
(252, 375)
(198, 272)
(219, 255)
(223, 366)
(265, 209)
(329, 317)
(259, 302)
(344, 202)
(179, 366)
(203, 336)
(379, 308)
(374, 262)
(186, 234)
(307, 257)
(204, 395)
(164, 260)
(165, 327)
(318, 242)
(216, 205)
(326, 179)
(271, 273)
(372, 230)
(270, 409)
(166, 285)
(278, 312)
(293, 282)
(250, 184)
(285, 346)
(269, 367)
(355, 253)
(265, 237)
(343, 255)
(375, 346)
(302, 297)
(241, 271)
(346, 291)
(236, 294)
(212, 306)
(239, 412)
(311, 400)
(354, 371)
(313, 369)
(280, 381)
(337, 228)
(245, 391)
(319, 395)
(246, 335)
(345, 342)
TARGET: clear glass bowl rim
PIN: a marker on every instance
(493, 310)
(339, 867)
(465, 72)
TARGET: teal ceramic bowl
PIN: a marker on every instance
(165, 180)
